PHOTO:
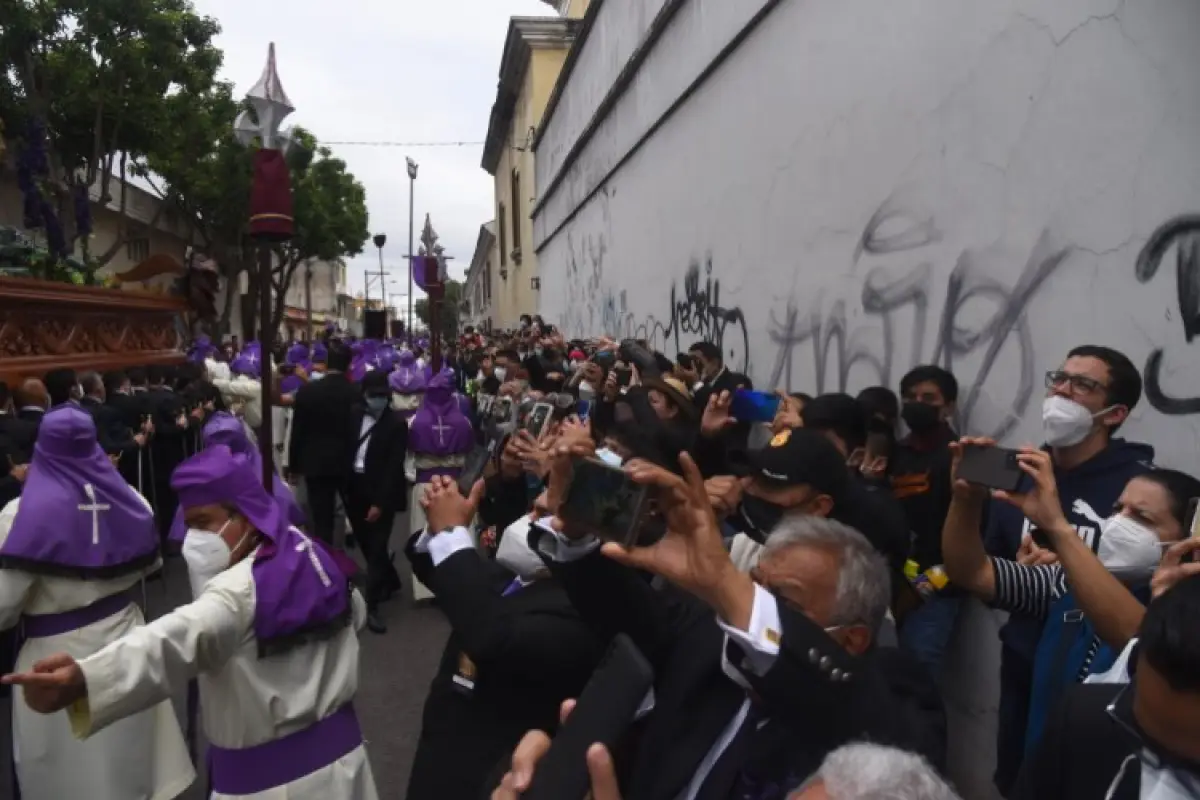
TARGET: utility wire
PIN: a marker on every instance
(404, 144)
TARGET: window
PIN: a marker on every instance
(137, 250)
(515, 185)
(487, 283)
(502, 224)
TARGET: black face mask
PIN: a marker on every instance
(757, 517)
(921, 417)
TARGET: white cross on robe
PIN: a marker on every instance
(95, 508)
(441, 428)
(307, 545)
(252, 358)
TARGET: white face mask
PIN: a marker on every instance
(514, 553)
(1066, 422)
(207, 556)
(609, 457)
(586, 391)
(1128, 549)
(501, 373)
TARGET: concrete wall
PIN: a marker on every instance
(862, 186)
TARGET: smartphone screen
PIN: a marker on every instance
(751, 406)
(604, 501)
(473, 468)
(993, 467)
(879, 445)
(539, 419)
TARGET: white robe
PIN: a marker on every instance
(244, 700)
(243, 394)
(143, 756)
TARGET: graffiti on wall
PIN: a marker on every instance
(694, 309)
(1184, 234)
(840, 345)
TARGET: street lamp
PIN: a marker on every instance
(412, 188)
(380, 240)
(270, 218)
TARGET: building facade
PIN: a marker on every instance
(323, 284)
(141, 231)
(534, 53)
(477, 292)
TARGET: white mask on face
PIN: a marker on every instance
(1128, 549)
(609, 457)
(514, 553)
(586, 391)
(501, 373)
(207, 556)
(1066, 422)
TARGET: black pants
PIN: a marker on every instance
(372, 538)
(322, 505)
(1016, 689)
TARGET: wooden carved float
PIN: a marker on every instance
(44, 325)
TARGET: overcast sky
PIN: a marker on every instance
(398, 71)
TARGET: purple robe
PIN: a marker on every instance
(290, 384)
(78, 517)
(226, 429)
(440, 428)
(302, 590)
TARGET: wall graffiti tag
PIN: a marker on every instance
(1184, 234)
(695, 311)
(838, 347)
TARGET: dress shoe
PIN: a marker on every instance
(374, 623)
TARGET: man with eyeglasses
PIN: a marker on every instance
(1087, 400)
(1134, 741)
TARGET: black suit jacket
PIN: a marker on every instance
(21, 434)
(888, 698)
(32, 415)
(522, 654)
(1081, 751)
(111, 432)
(727, 381)
(324, 430)
(383, 471)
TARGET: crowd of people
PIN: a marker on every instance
(661, 584)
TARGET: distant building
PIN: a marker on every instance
(534, 53)
(150, 231)
(477, 293)
(326, 288)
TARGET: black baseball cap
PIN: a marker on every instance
(837, 412)
(799, 456)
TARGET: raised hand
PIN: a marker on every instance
(717, 415)
(691, 554)
(53, 684)
(1041, 504)
(1173, 568)
(446, 508)
(535, 744)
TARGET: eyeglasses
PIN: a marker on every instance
(1080, 384)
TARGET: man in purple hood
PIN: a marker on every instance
(440, 439)
(73, 549)
(271, 638)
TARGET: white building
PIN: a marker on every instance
(321, 284)
(477, 292)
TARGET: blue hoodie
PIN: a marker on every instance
(1088, 494)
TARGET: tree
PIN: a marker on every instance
(449, 311)
(91, 89)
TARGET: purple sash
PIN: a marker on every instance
(277, 763)
(42, 625)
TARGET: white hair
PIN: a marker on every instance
(864, 771)
(864, 588)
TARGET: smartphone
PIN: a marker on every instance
(1041, 539)
(1193, 527)
(539, 420)
(624, 376)
(605, 709)
(993, 467)
(604, 501)
(634, 353)
(476, 462)
(751, 406)
(879, 445)
(502, 409)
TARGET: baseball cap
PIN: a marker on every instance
(799, 456)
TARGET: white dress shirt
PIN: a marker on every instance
(364, 436)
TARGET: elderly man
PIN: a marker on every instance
(71, 549)
(270, 637)
(749, 703)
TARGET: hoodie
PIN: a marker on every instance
(1088, 494)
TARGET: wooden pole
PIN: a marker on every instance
(435, 334)
(266, 437)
